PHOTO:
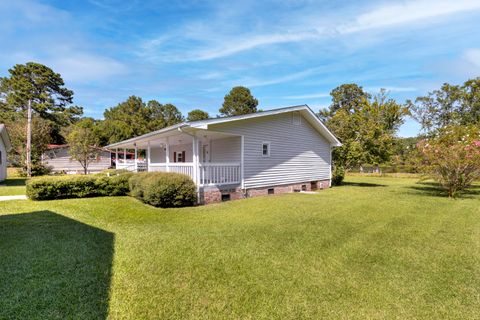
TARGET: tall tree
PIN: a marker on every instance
(347, 97)
(197, 114)
(126, 120)
(366, 126)
(239, 101)
(449, 105)
(133, 117)
(41, 131)
(163, 115)
(83, 141)
(34, 89)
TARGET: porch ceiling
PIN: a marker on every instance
(173, 137)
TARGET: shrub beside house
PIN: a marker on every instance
(159, 189)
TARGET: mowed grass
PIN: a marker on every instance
(12, 187)
(376, 248)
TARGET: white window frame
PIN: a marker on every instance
(267, 143)
(179, 156)
(296, 118)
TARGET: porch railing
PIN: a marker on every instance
(219, 173)
(130, 166)
(212, 173)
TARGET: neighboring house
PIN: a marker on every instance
(276, 151)
(57, 157)
(5, 146)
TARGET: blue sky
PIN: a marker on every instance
(191, 53)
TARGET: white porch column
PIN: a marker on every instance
(167, 155)
(195, 160)
(116, 158)
(242, 144)
(124, 155)
(136, 155)
(148, 156)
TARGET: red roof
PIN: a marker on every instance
(57, 146)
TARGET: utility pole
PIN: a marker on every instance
(29, 138)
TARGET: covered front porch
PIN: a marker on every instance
(209, 158)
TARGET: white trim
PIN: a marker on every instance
(269, 151)
(167, 155)
(149, 160)
(136, 160)
(195, 158)
(242, 162)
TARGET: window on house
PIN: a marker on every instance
(179, 156)
(266, 149)
(297, 118)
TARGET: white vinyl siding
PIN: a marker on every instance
(298, 152)
(225, 150)
(157, 155)
(60, 160)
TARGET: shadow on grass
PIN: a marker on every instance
(17, 182)
(362, 184)
(433, 189)
(53, 267)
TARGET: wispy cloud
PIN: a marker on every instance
(282, 79)
(466, 64)
(86, 67)
(308, 96)
(407, 12)
(472, 56)
(390, 89)
(212, 44)
(251, 43)
(59, 45)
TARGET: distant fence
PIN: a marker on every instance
(385, 169)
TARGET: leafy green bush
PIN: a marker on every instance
(136, 183)
(77, 186)
(38, 169)
(114, 184)
(161, 189)
(338, 175)
(452, 157)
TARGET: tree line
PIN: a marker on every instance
(366, 124)
(55, 119)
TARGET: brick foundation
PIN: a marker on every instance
(213, 194)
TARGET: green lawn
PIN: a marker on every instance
(375, 248)
(12, 187)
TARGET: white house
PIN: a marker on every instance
(58, 159)
(275, 151)
(5, 146)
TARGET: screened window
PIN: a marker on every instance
(266, 149)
